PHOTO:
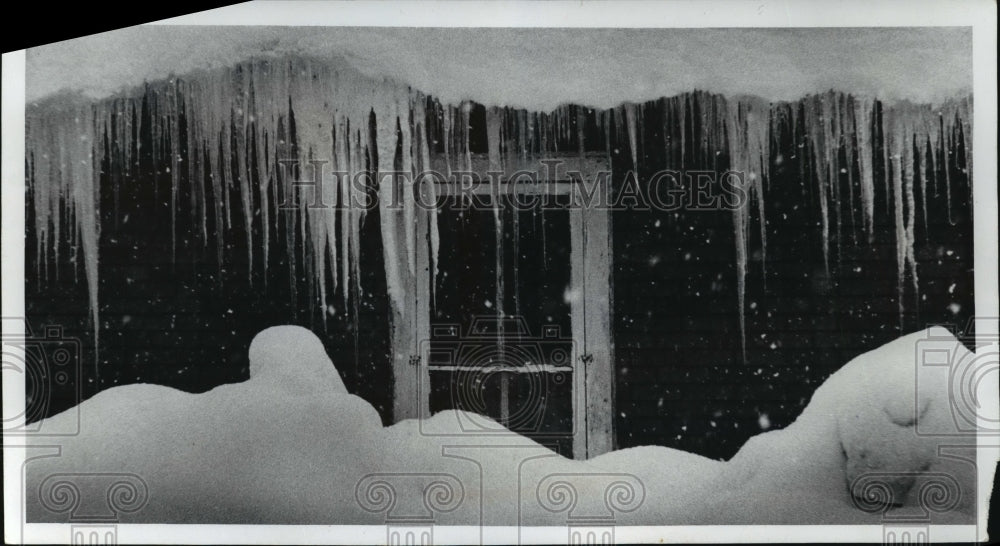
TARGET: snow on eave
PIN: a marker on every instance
(539, 69)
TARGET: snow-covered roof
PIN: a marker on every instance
(541, 68)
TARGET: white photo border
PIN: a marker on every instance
(980, 15)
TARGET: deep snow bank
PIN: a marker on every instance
(291, 446)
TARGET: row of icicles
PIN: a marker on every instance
(234, 113)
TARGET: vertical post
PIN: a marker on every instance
(578, 327)
(411, 335)
(422, 306)
(493, 123)
(597, 285)
(590, 282)
(409, 323)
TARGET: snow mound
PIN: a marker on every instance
(293, 357)
(858, 439)
(290, 445)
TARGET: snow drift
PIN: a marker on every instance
(290, 445)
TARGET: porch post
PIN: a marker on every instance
(590, 281)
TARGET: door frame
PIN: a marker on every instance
(590, 282)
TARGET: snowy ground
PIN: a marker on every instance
(290, 445)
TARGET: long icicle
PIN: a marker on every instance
(68, 124)
(237, 123)
(496, 166)
(911, 208)
(894, 155)
(866, 168)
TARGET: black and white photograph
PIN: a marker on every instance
(504, 272)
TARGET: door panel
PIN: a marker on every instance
(516, 367)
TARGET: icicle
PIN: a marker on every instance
(736, 131)
(908, 173)
(641, 125)
(67, 125)
(522, 139)
(311, 91)
(409, 207)
(814, 124)
(746, 125)
(509, 150)
(240, 115)
(759, 123)
(357, 217)
(446, 123)
(933, 140)
(544, 137)
(832, 114)
(223, 112)
(630, 117)
(682, 105)
(894, 140)
(263, 118)
(195, 167)
(386, 116)
(466, 109)
(340, 165)
(963, 111)
(866, 167)
(496, 165)
(85, 198)
(543, 149)
(420, 122)
(830, 154)
(921, 160)
(40, 145)
(238, 125)
(848, 132)
(173, 110)
(128, 140)
(946, 148)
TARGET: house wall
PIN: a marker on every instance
(179, 318)
(682, 380)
